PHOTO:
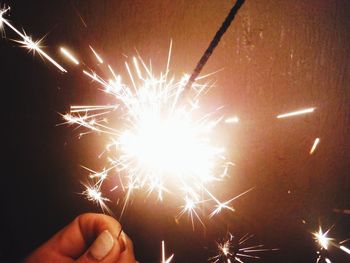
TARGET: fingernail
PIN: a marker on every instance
(102, 245)
(122, 242)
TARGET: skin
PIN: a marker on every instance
(72, 243)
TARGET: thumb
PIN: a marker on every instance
(105, 248)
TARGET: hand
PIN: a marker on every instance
(89, 238)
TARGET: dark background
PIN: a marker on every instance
(277, 56)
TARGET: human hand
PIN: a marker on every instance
(90, 238)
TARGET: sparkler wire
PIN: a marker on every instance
(213, 44)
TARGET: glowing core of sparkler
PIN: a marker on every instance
(172, 146)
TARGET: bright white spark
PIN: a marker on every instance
(314, 146)
(94, 194)
(230, 120)
(164, 260)
(2, 12)
(69, 55)
(99, 59)
(322, 238)
(224, 205)
(28, 43)
(295, 113)
(190, 208)
(345, 249)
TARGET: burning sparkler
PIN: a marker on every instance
(232, 250)
(162, 144)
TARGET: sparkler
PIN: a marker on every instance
(162, 144)
(27, 42)
(232, 250)
(165, 143)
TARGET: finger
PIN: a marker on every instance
(106, 248)
(128, 255)
(74, 239)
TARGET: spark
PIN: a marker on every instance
(322, 238)
(230, 120)
(190, 207)
(295, 113)
(99, 59)
(27, 41)
(224, 205)
(94, 194)
(69, 55)
(345, 249)
(164, 260)
(232, 250)
(314, 146)
(2, 12)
